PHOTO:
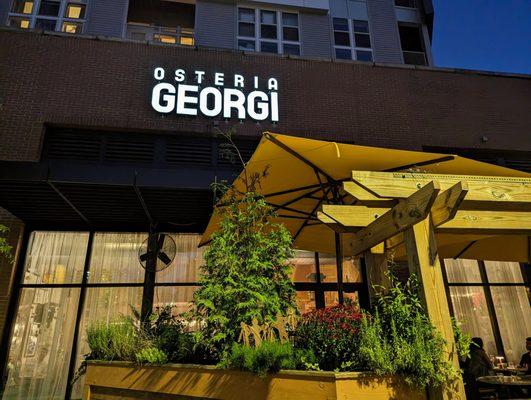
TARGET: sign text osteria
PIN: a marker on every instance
(219, 95)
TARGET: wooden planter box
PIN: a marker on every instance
(121, 380)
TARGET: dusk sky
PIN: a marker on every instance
(493, 35)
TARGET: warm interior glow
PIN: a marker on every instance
(28, 8)
(24, 23)
(165, 39)
(69, 27)
(187, 41)
(74, 11)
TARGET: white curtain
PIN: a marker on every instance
(188, 260)
(55, 257)
(512, 307)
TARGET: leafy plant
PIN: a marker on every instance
(117, 340)
(151, 355)
(247, 274)
(5, 248)
(268, 357)
(400, 339)
(332, 335)
(463, 341)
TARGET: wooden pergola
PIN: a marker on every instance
(398, 210)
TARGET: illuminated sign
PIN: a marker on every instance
(220, 95)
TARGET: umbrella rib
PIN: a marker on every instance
(421, 164)
(465, 249)
(282, 207)
(296, 155)
(306, 222)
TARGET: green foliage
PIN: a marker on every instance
(268, 357)
(332, 335)
(151, 355)
(168, 334)
(116, 340)
(463, 340)
(5, 248)
(246, 275)
(401, 340)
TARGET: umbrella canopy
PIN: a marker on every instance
(303, 174)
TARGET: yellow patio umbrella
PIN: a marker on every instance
(305, 173)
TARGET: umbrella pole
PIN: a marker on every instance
(339, 266)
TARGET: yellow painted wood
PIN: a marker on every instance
(423, 260)
(485, 192)
(447, 203)
(113, 381)
(406, 213)
(488, 223)
(377, 269)
(378, 249)
(353, 218)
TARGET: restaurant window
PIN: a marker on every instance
(352, 39)
(491, 301)
(51, 15)
(412, 44)
(268, 31)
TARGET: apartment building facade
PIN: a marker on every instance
(108, 119)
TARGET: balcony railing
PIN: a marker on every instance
(162, 34)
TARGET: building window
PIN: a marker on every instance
(51, 15)
(352, 39)
(406, 3)
(268, 31)
(491, 300)
(412, 44)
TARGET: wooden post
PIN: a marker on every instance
(423, 260)
(339, 266)
(376, 272)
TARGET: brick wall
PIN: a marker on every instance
(95, 83)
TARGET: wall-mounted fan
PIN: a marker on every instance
(166, 250)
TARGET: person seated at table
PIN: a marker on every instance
(525, 361)
(478, 364)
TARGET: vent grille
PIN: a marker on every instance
(63, 146)
(188, 151)
(130, 149)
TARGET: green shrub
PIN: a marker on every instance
(168, 333)
(400, 339)
(5, 248)
(116, 340)
(151, 355)
(332, 335)
(247, 273)
(462, 340)
(268, 357)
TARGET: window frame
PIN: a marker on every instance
(424, 51)
(487, 285)
(353, 48)
(60, 19)
(257, 39)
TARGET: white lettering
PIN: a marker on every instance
(203, 102)
(199, 76)
(257, 99)
(274, 106)
(179, 75)
(183, 99)
(272, 84)
(159, 73)
(256, 82)
(168, 99)
(233, 98)
(219, 79)
(238, 81)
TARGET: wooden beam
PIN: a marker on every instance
(488, 223)
(405, 214)
(485, 192)
(353, 218)
(423, 260)
(447, 203)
